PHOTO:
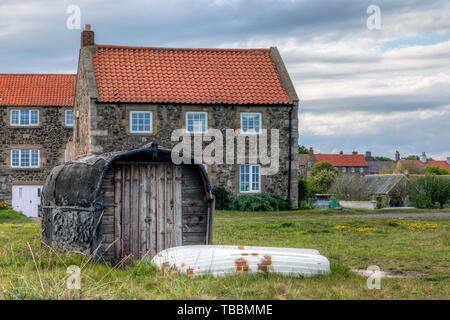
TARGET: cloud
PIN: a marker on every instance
(357, 86)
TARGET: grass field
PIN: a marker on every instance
(29, 271)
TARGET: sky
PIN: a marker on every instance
(361, 89)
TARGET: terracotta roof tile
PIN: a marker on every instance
(346, 160)
(433, 163)
(37, 89)
(206, 76)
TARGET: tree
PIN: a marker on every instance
(323, 180)
(412, 157)
(384, 159)
(303, 190)
(410, 168)
(322, 166)
(303, 150)
(350, 187)
(436, 171)
(428, 190)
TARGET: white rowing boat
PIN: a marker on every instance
(226, 260)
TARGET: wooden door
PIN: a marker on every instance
(147, 209)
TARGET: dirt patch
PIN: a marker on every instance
(388, 274)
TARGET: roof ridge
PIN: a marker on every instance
(182, 49)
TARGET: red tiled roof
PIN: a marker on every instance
(206, 76)
(37, 89)
(433, 163)
(346, 160)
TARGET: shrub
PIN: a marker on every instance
(322, 166)
(350, 187)
(222, 198)
(303, 190)
(429, 190)
(436, 171)
(323, 180)
(259, 202)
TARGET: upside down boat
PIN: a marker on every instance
(227, 260)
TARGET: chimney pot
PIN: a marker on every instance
(397, 156)
(355, 152)
(423, 158)
(311, 151)
(341, 153)
(87, 36)
(368, 154)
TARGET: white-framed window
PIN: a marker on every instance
(69, 118)
(196, 122)
(361, 170)
(250, 178)
(141, 121)
(352, 169)
(251, 122)
(344, 169)
(25, 158)
(24, 117)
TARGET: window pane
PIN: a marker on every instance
(141, 121)
(245, 178)
(24, 117)
(15, 158)
(15, 117)
(69, 118)
(24, 158)
(251, 122)
(255, 178)
(196, 122)
(34, 117)
(34, 158)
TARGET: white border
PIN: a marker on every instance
(250, 178)
(260, 122)
(29, 118)
(20, 158)
(141, 111)
(65, 118)
(206, 121)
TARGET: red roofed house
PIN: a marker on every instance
(403, 166)
(35, 124)
(344, 163)
(127, 97)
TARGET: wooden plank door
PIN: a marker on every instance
(147, 209)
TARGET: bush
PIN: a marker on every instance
(436, 171)
(429, 190)
(350, 187)
(259, 202)
(222, 198)
(322, 181)
(322, 166)
(303, 190)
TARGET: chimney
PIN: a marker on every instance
(341, 153)
(397, 156)
(368, 154)
(311, 151)
(423, 158)
(448, 161)
(354, 152)
(87, 36)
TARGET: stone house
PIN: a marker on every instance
(35, 124)
(419, 166)
(344, 163)
(127, 97)
(375, 166)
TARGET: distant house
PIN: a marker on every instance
(376, 166)
(391, 189)
(344, 163)
(405, 166)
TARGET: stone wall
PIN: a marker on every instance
(110, 132)
(50, 137)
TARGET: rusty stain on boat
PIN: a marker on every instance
(265, 264)
(190, 272)
(241, 264)
(165, 265)
(255, 254)
(241, 247)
